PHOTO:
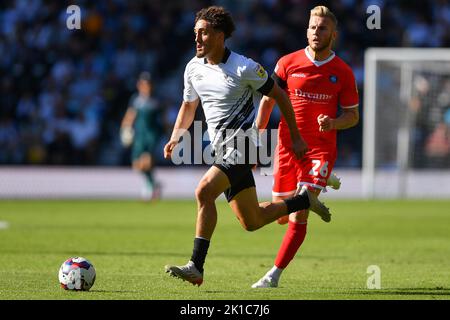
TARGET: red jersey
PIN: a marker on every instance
(314, 88)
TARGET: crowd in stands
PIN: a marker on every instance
(64, 92)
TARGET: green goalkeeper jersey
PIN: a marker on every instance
(147, 124)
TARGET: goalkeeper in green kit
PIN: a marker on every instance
(141, 129)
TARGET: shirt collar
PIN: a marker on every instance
(225, 57)
(316, 62)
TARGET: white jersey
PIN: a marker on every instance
(226, 92)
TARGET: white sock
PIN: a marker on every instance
(274, 273)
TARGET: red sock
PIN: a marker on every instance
(293, 239)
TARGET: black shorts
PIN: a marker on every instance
(240, 174)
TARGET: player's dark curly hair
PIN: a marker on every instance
(219, 18)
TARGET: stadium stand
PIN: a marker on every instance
(63, 92)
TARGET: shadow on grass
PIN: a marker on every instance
(114, 291)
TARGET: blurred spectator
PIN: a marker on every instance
(62, 91)
(9, 142)
(438, 146)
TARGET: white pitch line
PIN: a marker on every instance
(4, 225)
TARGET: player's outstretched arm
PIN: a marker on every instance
(299, 146)
(184, 120)
(265, 109)
(126, 127)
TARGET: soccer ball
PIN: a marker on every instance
(77, 274)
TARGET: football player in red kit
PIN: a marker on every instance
(317, 82)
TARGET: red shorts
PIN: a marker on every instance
(313, 169)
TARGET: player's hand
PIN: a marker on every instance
(325, 123)
(299, 147)
(168, 148)
(126, 136)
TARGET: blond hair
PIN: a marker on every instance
(322, 11)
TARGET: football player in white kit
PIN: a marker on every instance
(225, 82)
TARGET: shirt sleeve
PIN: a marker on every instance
(189, 93)
(348, 97)
(279, 74)
(257, 78)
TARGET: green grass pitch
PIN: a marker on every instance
(130, 242)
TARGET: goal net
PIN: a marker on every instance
(406, 143)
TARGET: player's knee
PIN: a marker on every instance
(147, 162)
(203, 193)
(145, 167)
(251, 226)
(283, 220)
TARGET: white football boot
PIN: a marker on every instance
(334, 181)
(265, 282)
(187, 272)
(316, 205)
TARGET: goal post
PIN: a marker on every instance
(406, 118)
